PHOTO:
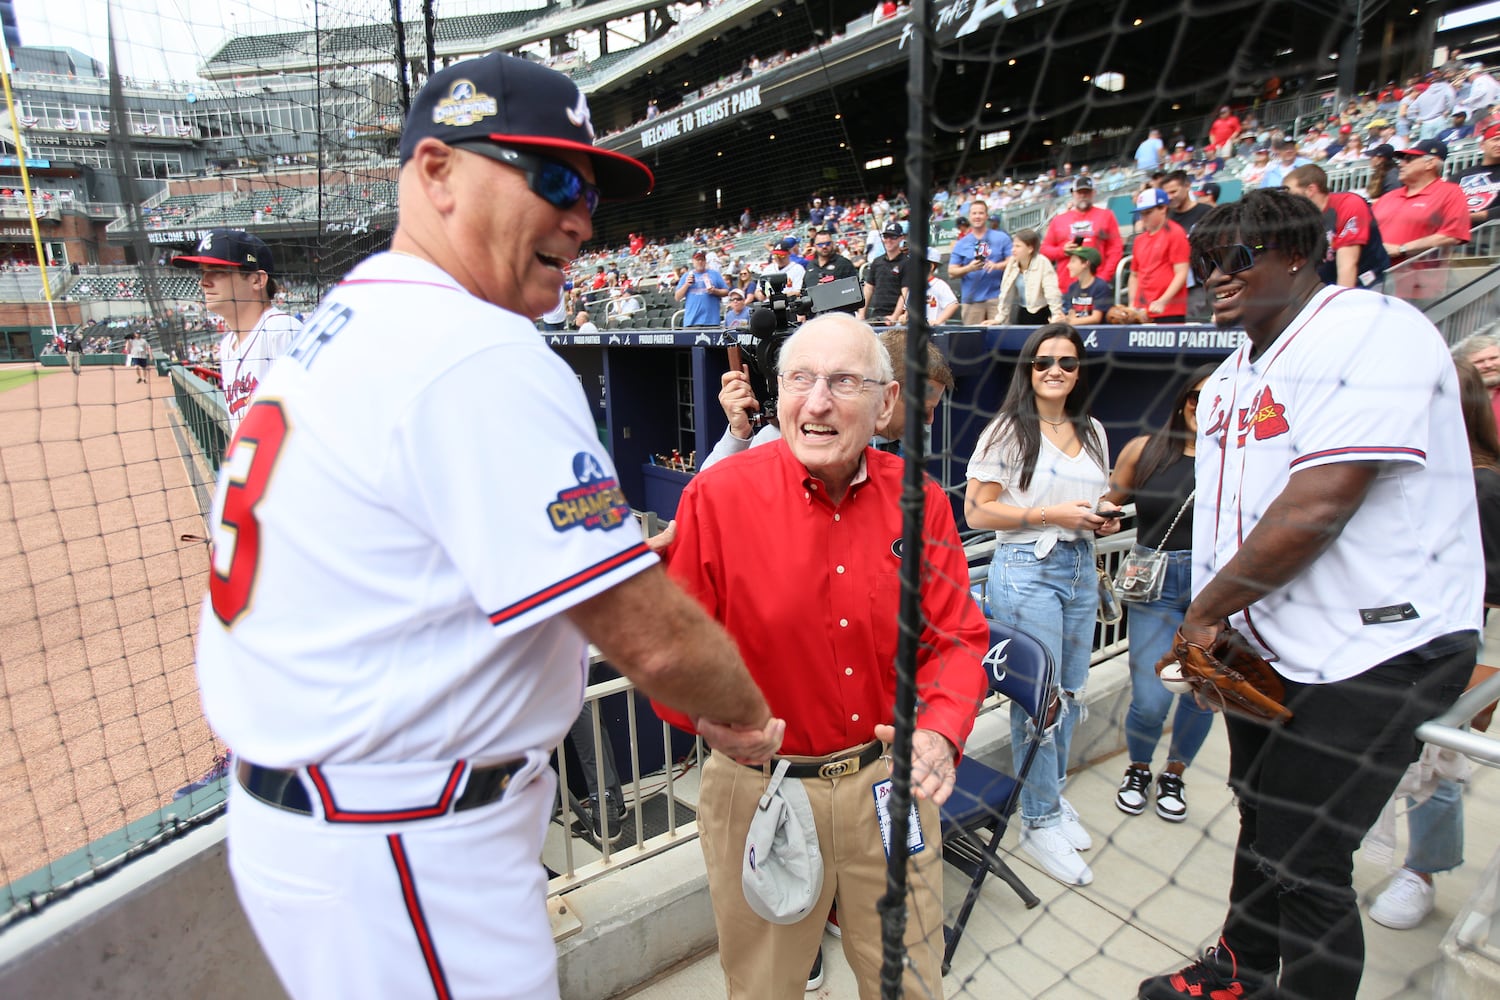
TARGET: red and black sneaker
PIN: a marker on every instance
(1215, 976)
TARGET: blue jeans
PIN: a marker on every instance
(1436, 830)
(1152, 628)
(1056, 600)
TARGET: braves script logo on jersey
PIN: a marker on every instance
(237, 393)
(597, 502)
(1480, 190)
(463, 106)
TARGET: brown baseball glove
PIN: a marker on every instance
(1231, 676)
(1124, 314)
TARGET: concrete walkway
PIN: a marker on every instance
(1158, 897)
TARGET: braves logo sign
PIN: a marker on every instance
(596, 502)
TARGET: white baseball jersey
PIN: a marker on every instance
(795, 273)
(1355, 377)
(394, 546)
(243, 365)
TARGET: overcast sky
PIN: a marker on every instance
(169, 39)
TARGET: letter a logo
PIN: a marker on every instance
(578, 114)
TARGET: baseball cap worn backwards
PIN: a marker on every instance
(782, 875)
(230, 248)
(504, 102)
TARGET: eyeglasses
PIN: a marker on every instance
(1044, 363)
(1231, 259)
(844, 385)
(553, 181)
(820, 246)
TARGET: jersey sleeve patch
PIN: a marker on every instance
(594, 502)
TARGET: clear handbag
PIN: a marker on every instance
(1142, 574)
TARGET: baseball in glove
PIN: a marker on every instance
(1231, 676)
(1124, 314)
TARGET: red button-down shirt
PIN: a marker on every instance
(810, 591)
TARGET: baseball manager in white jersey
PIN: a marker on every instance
(238, 275)
(402, 594)
(1336, 527)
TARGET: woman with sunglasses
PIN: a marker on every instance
(1157, 470)
(1036, 478)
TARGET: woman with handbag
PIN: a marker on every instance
(1155, 580)
(1036, 478)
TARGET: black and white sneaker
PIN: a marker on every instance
(1131, 798)
(1171, 805)
(815, 977)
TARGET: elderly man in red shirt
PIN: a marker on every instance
(795, 548)
(1424, 212)
(1084, 225)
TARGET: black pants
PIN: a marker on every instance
(1026, 317)
(1307, 793)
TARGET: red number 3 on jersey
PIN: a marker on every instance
(236, 533)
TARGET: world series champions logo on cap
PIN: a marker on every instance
(464, 105)
(595, 503)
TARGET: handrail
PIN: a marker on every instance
(1448, 730)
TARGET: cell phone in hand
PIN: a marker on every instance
(1109, 513)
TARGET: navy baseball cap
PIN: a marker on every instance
(1384, 149)
(509, 102)
(230, 248)
(893, 229)
(1211, 189)
(1426, 147)
(1083, 182)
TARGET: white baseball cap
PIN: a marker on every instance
(782, 873)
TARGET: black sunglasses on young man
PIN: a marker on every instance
(1230, 259)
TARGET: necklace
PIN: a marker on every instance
(1054, 423)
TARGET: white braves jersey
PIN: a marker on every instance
(389, 580)
(243, 366)
(795, 273)
(1356, 377)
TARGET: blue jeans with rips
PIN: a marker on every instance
(1153, 625)
(1055, 599)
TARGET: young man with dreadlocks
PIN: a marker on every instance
(1336, 529)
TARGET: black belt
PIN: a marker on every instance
(837, 766)
(285, 789)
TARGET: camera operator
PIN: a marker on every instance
(829, 265)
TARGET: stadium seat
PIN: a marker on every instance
(976, 815)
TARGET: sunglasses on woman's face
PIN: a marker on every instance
(1044, 363)
(1231, 259)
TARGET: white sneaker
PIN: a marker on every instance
(1072, 828)
(1405, 903)
(1049, 848)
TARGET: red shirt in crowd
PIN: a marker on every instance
(1440, 207)
(810, 592)
(1153, 259)
(1221, 130)
(1097, 228)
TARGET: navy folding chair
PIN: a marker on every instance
(977, 813)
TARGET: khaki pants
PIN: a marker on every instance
(766, 961)
(974, 313)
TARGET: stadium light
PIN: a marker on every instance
(1110, 82)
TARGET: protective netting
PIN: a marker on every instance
(753, 115)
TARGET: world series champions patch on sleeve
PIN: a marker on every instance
(595, 502)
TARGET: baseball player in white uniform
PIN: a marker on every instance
(402, 595)
(1336, 528)
(238, 275)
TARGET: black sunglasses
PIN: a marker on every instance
(1231, 259)
(1044, 362)
(553, 181)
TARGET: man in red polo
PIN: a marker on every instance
(1425, 211)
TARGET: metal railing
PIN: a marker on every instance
(201, 404)
(1456, 287)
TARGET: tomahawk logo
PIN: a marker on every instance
(206, 244)
(995, 660)
(578, 114)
